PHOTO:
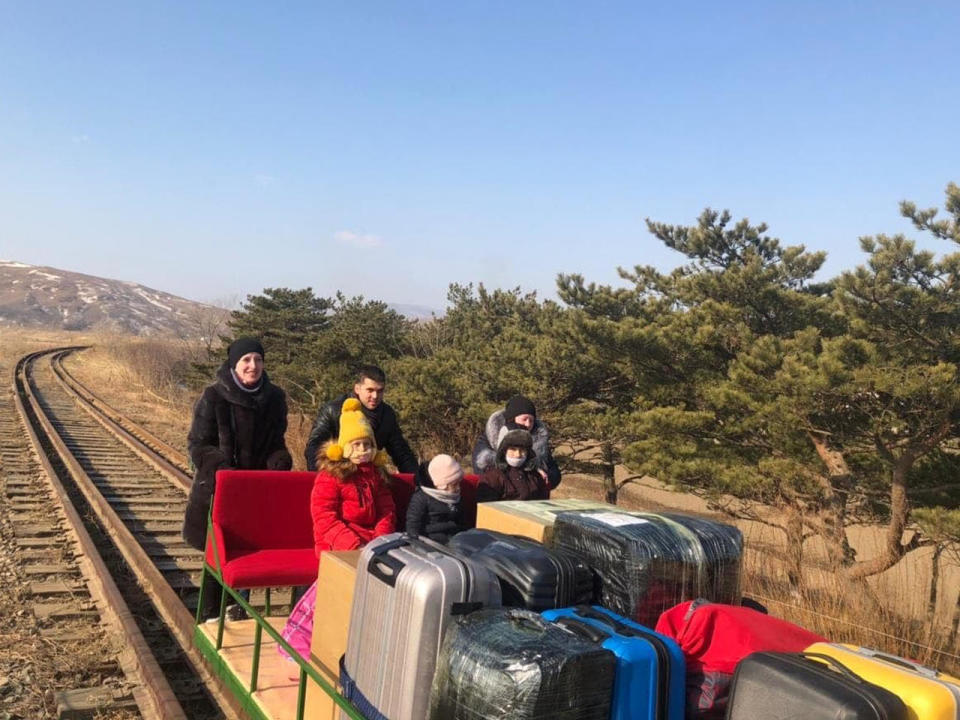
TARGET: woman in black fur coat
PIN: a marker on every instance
(239, 422)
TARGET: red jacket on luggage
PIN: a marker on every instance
(714, 638)
(349, 510)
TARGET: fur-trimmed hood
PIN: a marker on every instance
(540, 434)
(344, 468)
(386, 431)
(522, 439)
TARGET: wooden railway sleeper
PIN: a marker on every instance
(136, 660)
(165, 599)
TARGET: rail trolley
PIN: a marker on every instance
(253, 542)
(244, 653)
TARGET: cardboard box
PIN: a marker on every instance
(319, 705)
(530, 518)
(331, 620)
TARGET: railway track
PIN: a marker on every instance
(126, 491)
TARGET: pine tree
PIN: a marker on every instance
(810, 403)
(904, 304)
(669, 340)
(359, 332)
(287, 322)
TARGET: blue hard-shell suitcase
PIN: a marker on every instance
(651, 672)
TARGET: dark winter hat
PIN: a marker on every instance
(518, 405)
(240, 347)
(422, 476)
(514, 438)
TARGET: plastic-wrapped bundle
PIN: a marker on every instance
(646, 563)
(531, 575)
(511, 664)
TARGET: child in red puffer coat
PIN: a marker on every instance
(351, 504)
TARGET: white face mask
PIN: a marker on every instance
(515, 461)
(360, 451)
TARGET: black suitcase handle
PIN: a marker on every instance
(386, 568)
(584, 630)
(383, 566)
(392, 545)
(620, 628)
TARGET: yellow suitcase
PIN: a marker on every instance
(928, 694)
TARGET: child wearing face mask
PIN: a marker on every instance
(514, 476)
(434, 509)
(351, 504)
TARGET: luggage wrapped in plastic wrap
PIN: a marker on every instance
(645, 563)
(511, 664)
(531, 575)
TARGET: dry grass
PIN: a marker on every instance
(298, 431)
(883, 613)
(129, 375)
(852, 613)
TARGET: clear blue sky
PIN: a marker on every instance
(390, 148)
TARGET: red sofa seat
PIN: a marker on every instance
(271, 568)
(262, 528)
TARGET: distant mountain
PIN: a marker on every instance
(45, 297)
(415, 312)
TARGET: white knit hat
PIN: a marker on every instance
(444, 470)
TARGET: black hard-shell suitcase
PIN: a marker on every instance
(531, 575)
(810, 686)
(645, 563)
(511, 664)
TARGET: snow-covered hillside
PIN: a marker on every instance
(44, 297)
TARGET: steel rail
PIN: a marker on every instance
(154, 697)
(121, 427)
(167, 602)
(141, 437)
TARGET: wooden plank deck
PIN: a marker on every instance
(277, 681)
(276, 694)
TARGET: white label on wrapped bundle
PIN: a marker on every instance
(617, 519)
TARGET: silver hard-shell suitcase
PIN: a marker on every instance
(407, 591)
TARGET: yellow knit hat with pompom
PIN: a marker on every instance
(353, 426)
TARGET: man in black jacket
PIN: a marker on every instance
(369, 391)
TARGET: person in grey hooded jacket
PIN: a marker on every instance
(519, 413)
